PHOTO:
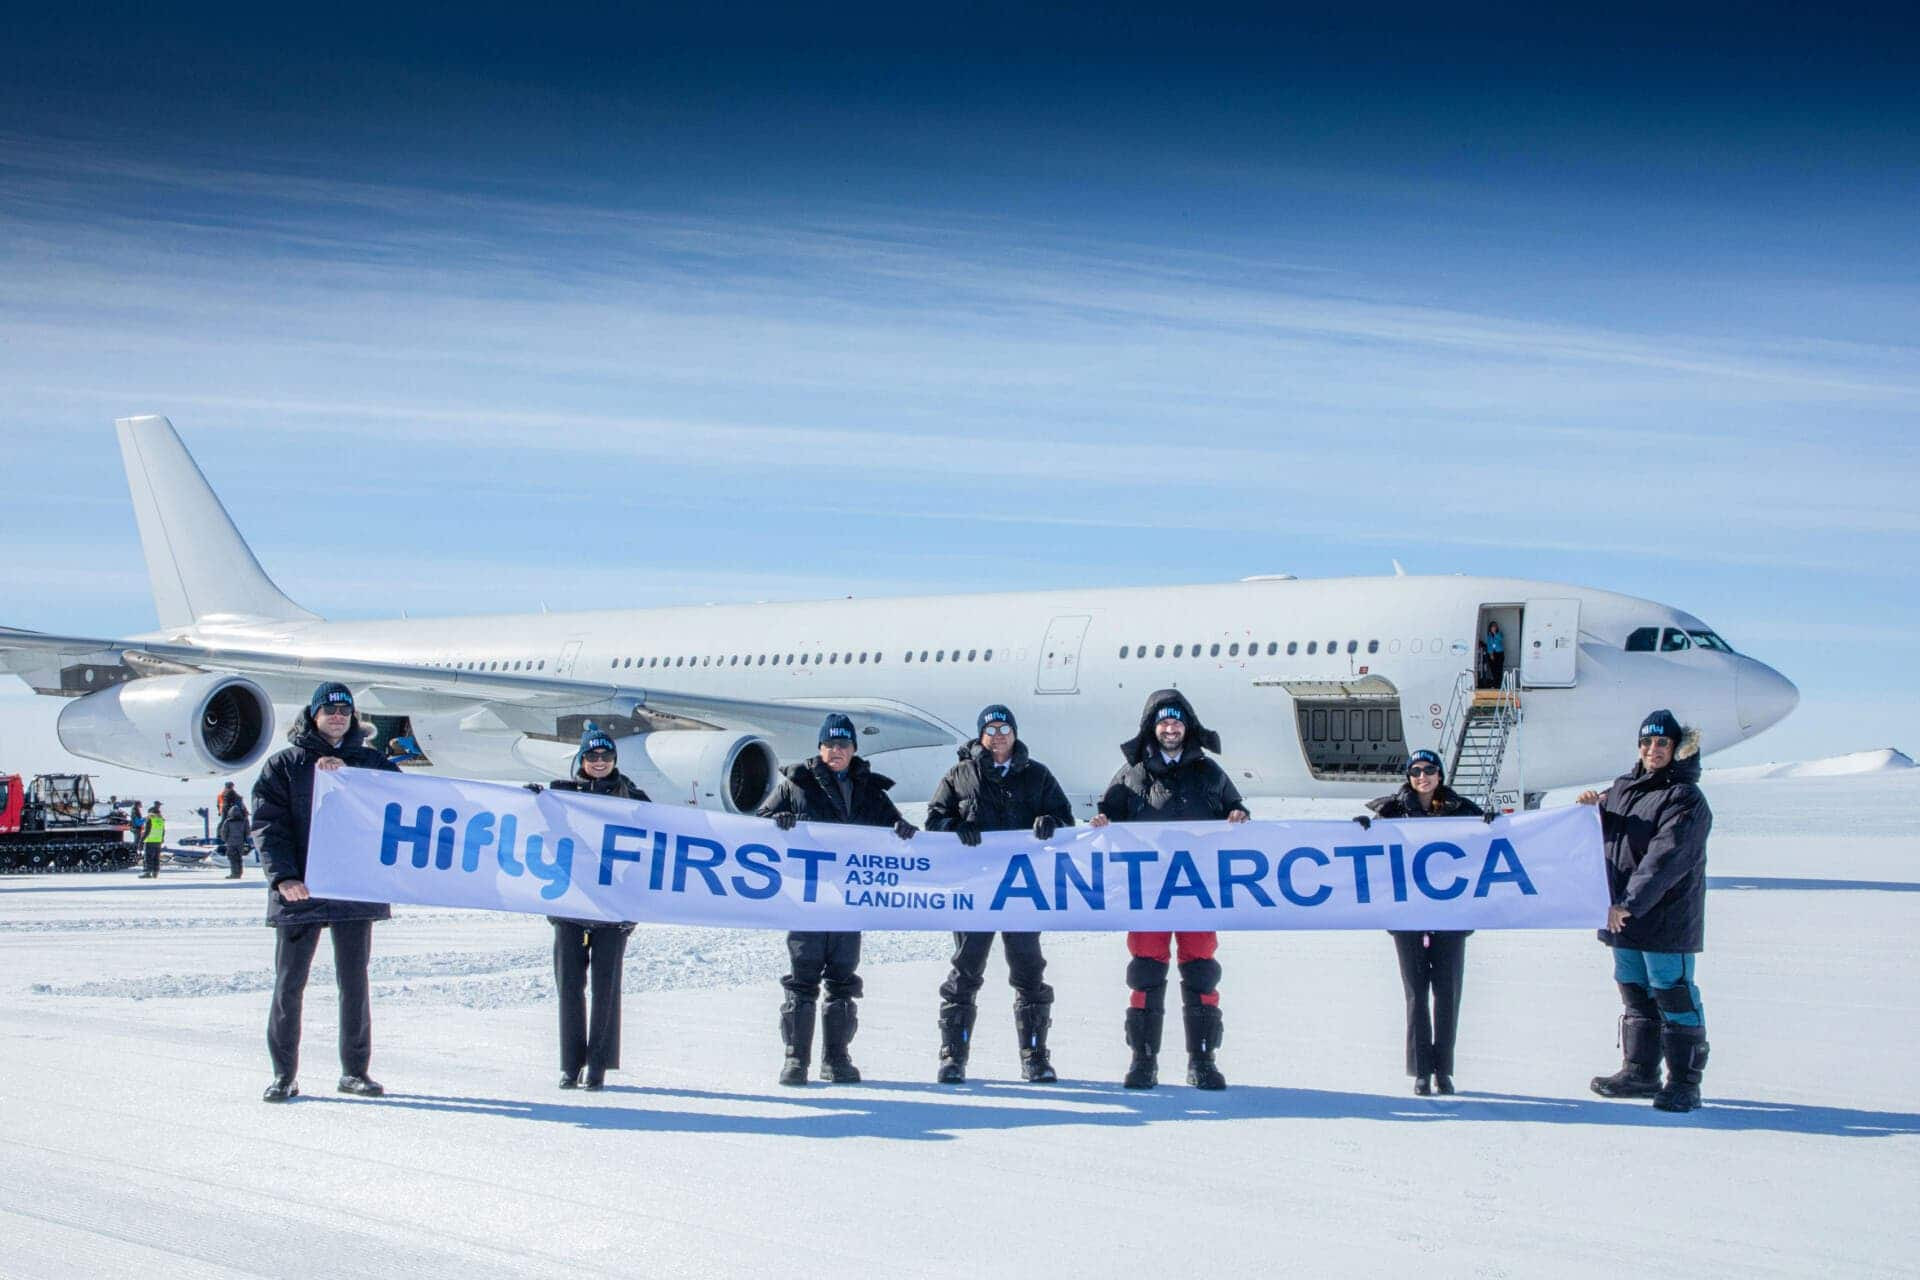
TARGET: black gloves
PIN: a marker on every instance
(969, 833)
(1044, 826)
(1489, 816)
(1366, 823)
(906, 831)
(785, 821)
(534, 787)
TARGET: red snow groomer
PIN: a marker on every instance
(53, 824)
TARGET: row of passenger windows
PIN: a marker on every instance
(1673, 640)
(1253, 649)
(503, 664)
(805, 659)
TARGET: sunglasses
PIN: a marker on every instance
(598, 756)
(997, 730)
(1423, 771)
(838, 744)
(1650, 741)
(335, 709)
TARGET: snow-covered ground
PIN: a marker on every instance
(132, 1057)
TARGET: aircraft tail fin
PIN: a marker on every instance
(200, 566)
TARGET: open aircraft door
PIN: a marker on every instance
(1060, 655)
(1549, 644)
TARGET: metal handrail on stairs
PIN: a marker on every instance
(1494, 713)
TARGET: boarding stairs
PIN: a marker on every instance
(1480, 724)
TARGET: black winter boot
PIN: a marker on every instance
(796, 1031)
(956, 1038)
(838, 1021)
(1030, 1023)
(1686, 1053)
(1143, 1036)
(1203, 1037)
(1639, 1074)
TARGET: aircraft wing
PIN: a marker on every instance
(73, 665)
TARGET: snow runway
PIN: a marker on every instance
(132, 1055)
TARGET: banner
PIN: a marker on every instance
(384, 837)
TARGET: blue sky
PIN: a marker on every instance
(631, 308)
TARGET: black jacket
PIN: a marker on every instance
(283, 817)
(1148, 789)
(234, 821)
(615, 784)
(809, 792)
(1405, 803)
(973, 791)
(1655, 825)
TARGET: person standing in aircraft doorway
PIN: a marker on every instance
(836, 786)
(997, 786)
(1168, 777)
(1495, 648)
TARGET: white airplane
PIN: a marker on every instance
(1318, 688)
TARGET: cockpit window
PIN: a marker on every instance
(1708, 640)
(1643, 640)
(1674, 641)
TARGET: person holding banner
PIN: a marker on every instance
(1655, 822)
(324, 738)
(590, 950)
(1433, 962)
(997, 786)
(1168, 777)
(836, 786)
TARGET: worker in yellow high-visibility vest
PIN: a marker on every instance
(156, 833)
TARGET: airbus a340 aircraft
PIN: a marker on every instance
(1319, 688)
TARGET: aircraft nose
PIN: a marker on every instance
(1762, 696)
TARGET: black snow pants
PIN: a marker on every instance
(1025, 965)
(1431, 965)
(834, 957)
(294, 945)
(583, 956)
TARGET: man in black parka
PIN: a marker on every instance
(591, 952)
(1655, 822)
(1169, 777)
(997, 786)
(325, 737)
(836, 786)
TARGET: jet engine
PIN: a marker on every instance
(202, 726)
(714, 769)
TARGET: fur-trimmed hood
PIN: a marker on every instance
(1135, 749)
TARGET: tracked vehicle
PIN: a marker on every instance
(55, 824)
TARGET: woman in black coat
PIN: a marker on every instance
(591, 952)
(1433, 962)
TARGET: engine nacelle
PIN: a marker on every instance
(203, 726)
(710, 768)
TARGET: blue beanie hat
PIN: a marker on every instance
(594, 738)
(995, 714)
(1427, 757)
(837, 728)
(1661, 724)
(330, 693)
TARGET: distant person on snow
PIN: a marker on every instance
(324, 738)
(997, 786)
(1655, 823)
(1168, 777)
(234, 821)
(152, 837)
(837, 786)
(591, 951)
(137, 829)
(1433, 962)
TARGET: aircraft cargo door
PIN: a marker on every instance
(1549, 643)
(1060, 655)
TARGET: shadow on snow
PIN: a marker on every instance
(912, 1112)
